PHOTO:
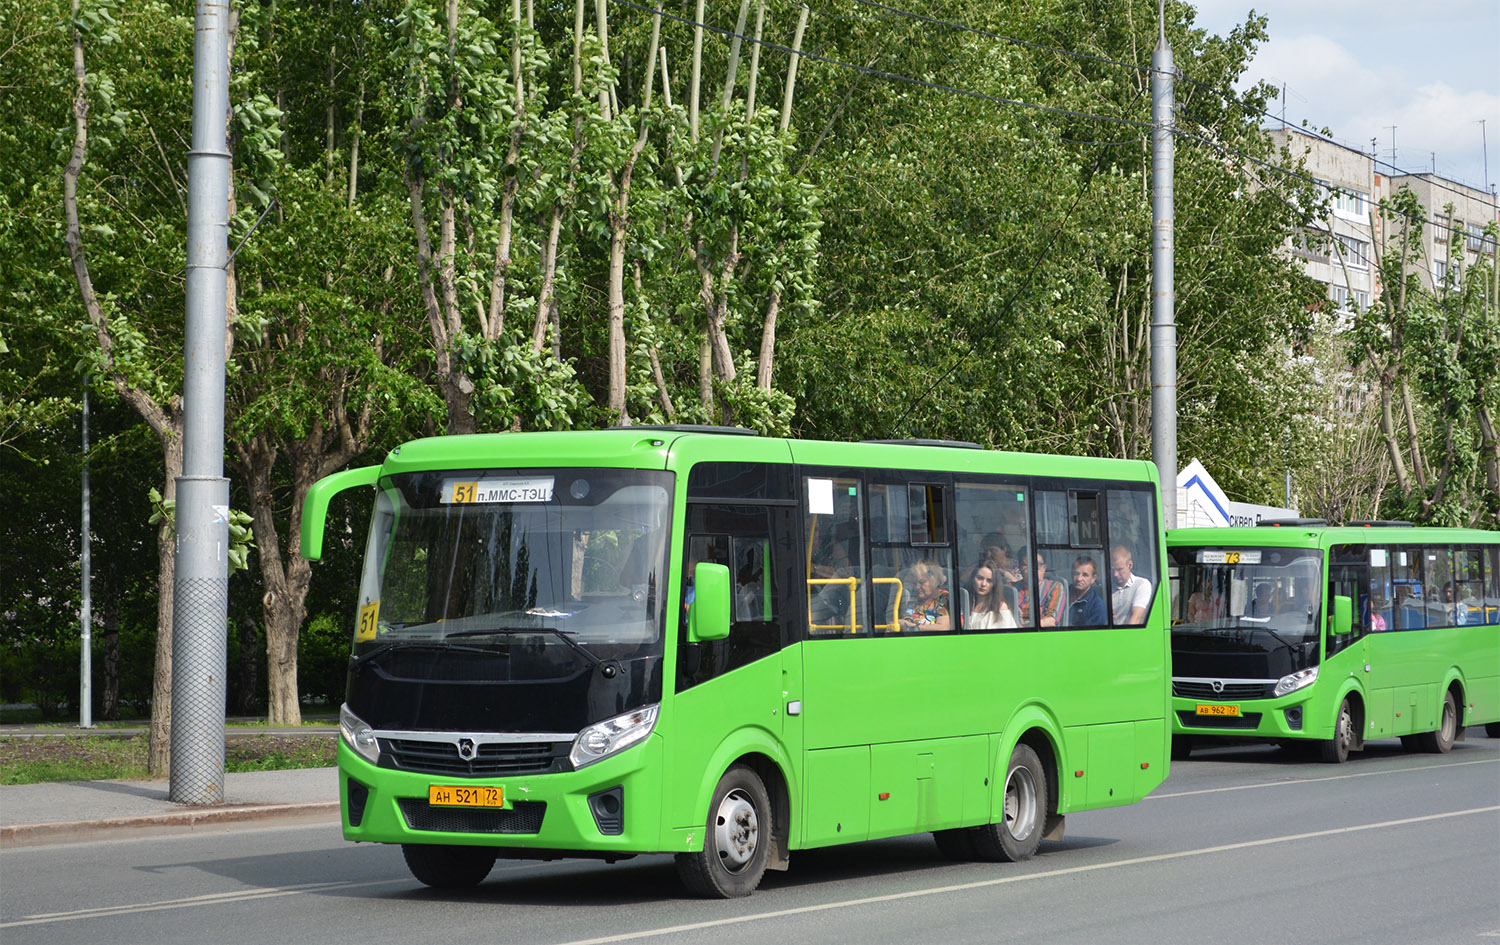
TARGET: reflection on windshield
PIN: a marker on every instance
(1275, 591)
(502, 561)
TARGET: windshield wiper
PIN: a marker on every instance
(563, 635)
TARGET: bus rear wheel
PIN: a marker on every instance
(1440, 741)
(1024, 811)
(1492, 729)
(735, 846)
(444, 867)
(1336, 749)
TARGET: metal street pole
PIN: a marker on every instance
(86, 604)
(201, 594)
(1163, 298)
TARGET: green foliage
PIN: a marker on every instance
(164, 513)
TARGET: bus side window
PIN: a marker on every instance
(1375, 611)
(1468, 591)
(836, 599)
(1492, 584)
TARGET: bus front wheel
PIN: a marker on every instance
(1019, 832)
(1441, 741)
(448, 867)
(737, 841)
(1336, 749)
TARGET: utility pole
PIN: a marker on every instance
(1163, 300)
(201, 594)
(86, 604)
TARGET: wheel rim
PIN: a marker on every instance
(1450, 721)
(736, 830)
(1020, 803)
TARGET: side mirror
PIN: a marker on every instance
(708, 615)
(1343, 616)
(315, 505)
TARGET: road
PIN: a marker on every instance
(1240, 845)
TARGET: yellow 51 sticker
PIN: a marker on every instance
(367, 621)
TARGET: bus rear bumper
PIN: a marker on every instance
(611, 807)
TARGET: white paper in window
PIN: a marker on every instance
(1377, 557)
(820, 496)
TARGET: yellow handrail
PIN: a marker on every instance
(851, 623)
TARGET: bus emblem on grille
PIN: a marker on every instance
(1217, 685)
(466, 749)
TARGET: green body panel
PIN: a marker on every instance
(1396, 680)
(867, 738)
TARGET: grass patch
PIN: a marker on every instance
(40, 759)
(71, 758)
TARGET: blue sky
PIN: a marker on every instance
(1358, 67)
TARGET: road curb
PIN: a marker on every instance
(113, 828)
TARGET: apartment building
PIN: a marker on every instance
(1341, 250)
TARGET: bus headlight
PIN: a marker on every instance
(358, 735)
(1298, 680)
(606, 738)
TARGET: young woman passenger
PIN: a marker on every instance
(990, 609)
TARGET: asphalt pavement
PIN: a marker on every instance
(73, 811)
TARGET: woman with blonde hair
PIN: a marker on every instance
(929, 608)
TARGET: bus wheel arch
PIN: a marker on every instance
(780, 796)
(1041, 743)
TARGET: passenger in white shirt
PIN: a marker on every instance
(1131, 596)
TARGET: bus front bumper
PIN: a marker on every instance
(610, 807)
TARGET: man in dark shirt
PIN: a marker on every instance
(1086, 605)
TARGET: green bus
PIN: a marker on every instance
(704, 642)
(1297, 631)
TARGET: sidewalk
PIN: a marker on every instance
(68, 812)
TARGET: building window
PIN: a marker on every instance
(1478, 241)
(1349, 201)
(1355, 252)
(1311, 244)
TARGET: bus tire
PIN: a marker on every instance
(1335, 750)
(1024, 807)
(1492, 729)
(448, 867)
(737, 841)
(1182, 747)
(957, 844)
(1440, 741)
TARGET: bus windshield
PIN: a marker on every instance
(570, 560)
(1262, 597)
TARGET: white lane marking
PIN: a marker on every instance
(1332, 777)
(275, 892)
(980, 884)
(209, 899)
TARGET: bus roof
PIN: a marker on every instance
(658, 447)
(1323, 536)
